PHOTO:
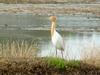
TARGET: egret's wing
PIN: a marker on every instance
(58, 41)
(58, 31)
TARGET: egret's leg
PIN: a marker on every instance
(56, 52)
(62, 53)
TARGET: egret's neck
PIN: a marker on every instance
(53, 28)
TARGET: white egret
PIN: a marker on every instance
(56, 38)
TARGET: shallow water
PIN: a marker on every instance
(28, 26)
(36, 22)
(75, 44)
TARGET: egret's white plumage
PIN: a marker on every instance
(57, 40)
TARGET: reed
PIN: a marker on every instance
(17, 49)
(91, 54)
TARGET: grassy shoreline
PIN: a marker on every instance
(45, 66)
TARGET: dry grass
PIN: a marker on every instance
(47, 9)
(17, 49)
(76, 1)
(47, 1)
(91, 54)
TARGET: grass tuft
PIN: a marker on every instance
(56, 62)
(62, 64)
(73, 63)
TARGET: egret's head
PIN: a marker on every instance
(53, 18)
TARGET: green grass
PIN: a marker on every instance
(73, 63)
(61, 63)
(56, 62)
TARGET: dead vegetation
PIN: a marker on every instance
(91, 54)
(47, 9)
(47, 1)
(40, 66)
(17, 49)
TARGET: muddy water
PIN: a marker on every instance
(28, 26)
(35, 22)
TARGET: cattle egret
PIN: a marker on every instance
(56, 38)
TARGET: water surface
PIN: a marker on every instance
(28, 26)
